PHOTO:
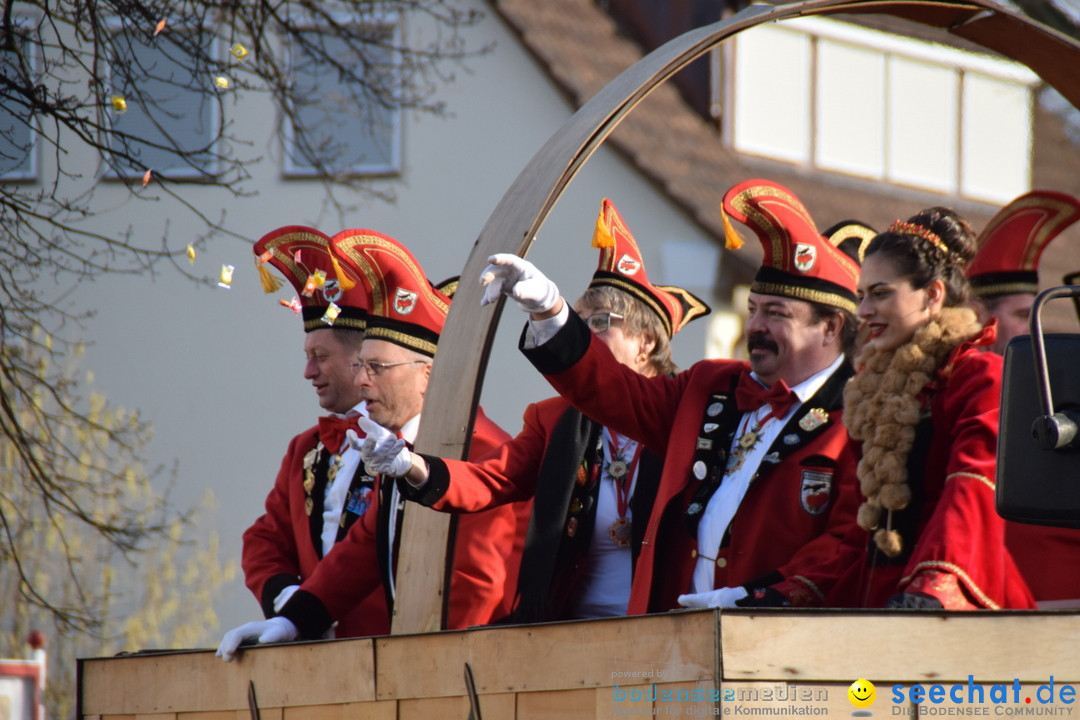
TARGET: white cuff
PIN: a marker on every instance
(540, 331)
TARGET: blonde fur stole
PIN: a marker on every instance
(881, 409)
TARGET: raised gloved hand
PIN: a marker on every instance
(382, 451)
(722, 598)
(274, 630)
(520, 280)
(283, 597)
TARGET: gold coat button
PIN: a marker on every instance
(721, 562)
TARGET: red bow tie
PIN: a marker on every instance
(332, 430)
(751, 395)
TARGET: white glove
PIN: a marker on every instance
(274, 630)
(284, 595)
(518, 279)
(722, 598)
(382, 451)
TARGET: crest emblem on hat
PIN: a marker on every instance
(404, 301)
(628, 265)
(814, 490)
(332, 291)
(805, 257)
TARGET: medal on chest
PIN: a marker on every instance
(621, 474)
(744, 444)
(620, 532)
(311, 458)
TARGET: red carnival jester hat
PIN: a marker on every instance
(621, 267)
(405, 308)
(1008, 249)
(329, 294)
(799, 262)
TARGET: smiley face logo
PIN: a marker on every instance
(862, 693)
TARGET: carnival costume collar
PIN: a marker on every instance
(882, 408)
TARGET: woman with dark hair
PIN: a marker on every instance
(923, 405)
(592, 488)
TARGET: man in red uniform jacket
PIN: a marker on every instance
(756, 455)
(1005, 279)
(307, 511)
(405, 316)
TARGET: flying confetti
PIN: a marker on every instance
(225, 281)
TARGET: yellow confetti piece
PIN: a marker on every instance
(159, 28)
(239, 51)
(332, 311)
(320, 278)
(146, 177)
(191, 254)
(119, 104)
(222, 82)
(225, 281)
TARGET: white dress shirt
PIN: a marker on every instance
(337, 491)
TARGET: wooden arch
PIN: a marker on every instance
(454, 390)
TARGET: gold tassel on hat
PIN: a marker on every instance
(732, 241)
(343, 281)
(269, 282)
(601, 237)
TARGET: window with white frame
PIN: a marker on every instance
(339, 124)
(18, 136)
(867, 103)
(168, 110)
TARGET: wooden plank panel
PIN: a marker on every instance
(215, 715)
(632, 651)
(284, 676)
(499, 706)
(906, 647)
(427, 708)
(557, 705)
(343, 711)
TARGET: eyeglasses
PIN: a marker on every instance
(376, 368)
(600, 322)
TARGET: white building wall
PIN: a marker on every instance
(219, 372)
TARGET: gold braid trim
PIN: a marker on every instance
(1005, 288)
(808, 583)
(969, 584)
(974, 476)
(803, 293)
(881, 408)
